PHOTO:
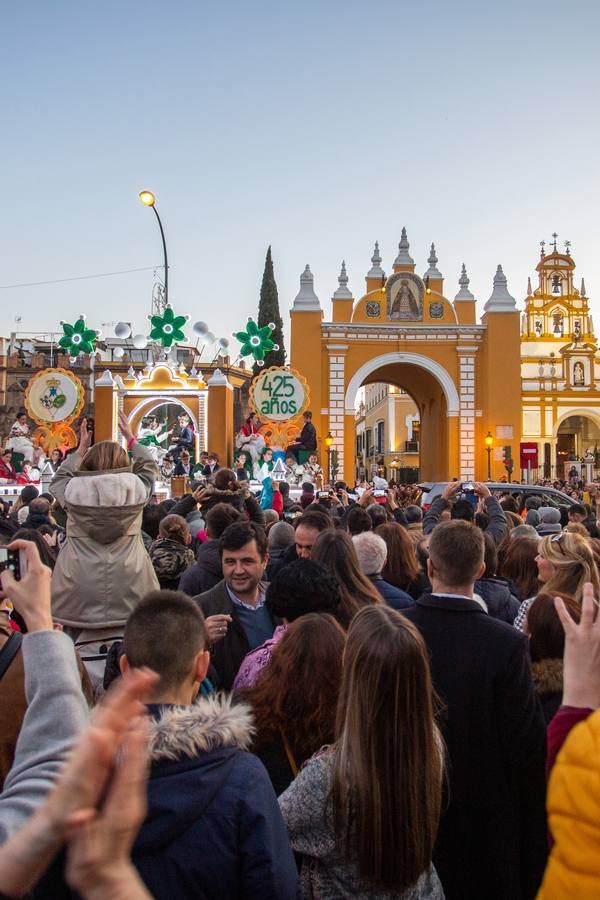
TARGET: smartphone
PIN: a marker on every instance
(323, 495)
(380, 493)
(467, 487)
(14, 561)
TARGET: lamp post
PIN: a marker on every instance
(328, 444)
(489, 440)
(148, 199)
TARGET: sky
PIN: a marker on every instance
(316, 127)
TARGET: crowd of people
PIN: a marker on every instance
(348, 696)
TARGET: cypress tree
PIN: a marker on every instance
(268, 311)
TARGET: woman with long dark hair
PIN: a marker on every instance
(335, 550)
(401, 567)
(295, 697)
(364, 813)
(519, 567)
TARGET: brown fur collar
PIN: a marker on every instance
(212, 491)
(548, 676)
(209, 724)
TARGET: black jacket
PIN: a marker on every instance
(213, 829)
(240, 498)
(206, 571)
(278, 560)
(226, 655)
(492, 838)
(308, 436)
(500, 602)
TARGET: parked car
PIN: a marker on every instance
(553, 497)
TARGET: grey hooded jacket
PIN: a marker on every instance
(103, 568)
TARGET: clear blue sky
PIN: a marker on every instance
(317, 127)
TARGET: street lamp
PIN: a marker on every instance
(329, 444)
(489, 440)
(148, 199)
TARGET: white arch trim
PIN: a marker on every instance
(157, 401)
(413, 359)
(589, 412)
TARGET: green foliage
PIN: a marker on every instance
(268, 313)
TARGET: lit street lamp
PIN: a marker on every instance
(148, 199)
(328, 444)
(489, 440)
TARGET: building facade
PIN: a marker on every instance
(531, 379)
(560, 368)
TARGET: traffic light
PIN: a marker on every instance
(507, 459)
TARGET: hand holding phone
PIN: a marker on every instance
(13, 561)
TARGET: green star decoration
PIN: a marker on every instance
(78, 338)
(256, 341)
(166, 329)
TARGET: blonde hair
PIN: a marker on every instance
(104, 456)
(577, 528)
(573, 563)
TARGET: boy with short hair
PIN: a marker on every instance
(213, 827)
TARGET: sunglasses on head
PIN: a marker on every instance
(556, 539)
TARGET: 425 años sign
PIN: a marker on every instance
(279, 394)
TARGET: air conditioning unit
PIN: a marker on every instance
(411, 446)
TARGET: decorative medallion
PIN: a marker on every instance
(373, 309)
(54, 395)
(53, 399)
(436, 310)
(279, 394)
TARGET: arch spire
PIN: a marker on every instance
(404, 258)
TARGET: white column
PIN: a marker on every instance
(466, 375)
(337, 392)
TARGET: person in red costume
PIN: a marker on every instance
(7, 470)
(25, 476)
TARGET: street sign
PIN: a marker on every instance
(529, 455)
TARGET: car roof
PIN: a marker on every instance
(511, 487)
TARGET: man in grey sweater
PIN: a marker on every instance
(56, 708)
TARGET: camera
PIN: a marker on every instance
(468, 487)
(323, 495)
(380, 493)
(13, 561)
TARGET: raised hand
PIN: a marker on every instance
(125, 428)
(99, 840)
(581, 675)
(451, 489)
(482, 490)
(85, 437)
(31, 594)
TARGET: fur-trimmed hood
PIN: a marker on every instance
(240, 489)
(235, 497)
(212, 723)
(118, 488)
(548, 676)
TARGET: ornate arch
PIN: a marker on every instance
(414, 359)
